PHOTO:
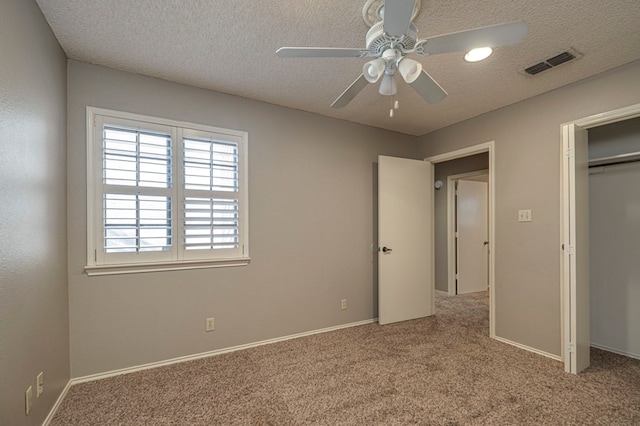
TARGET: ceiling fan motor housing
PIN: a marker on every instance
(378, 41)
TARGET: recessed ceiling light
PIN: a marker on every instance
(478, 54)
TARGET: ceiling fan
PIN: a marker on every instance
(390, 40)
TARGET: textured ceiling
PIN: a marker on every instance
(229, 46)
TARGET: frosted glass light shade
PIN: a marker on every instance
(410, 70)
(374, 69)
(388, 85)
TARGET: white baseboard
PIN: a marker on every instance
(186, 358)
(442, 293)
(528, 348)
(615, 351)
(52, 413)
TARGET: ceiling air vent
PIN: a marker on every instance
(535, 69)
(554, 61)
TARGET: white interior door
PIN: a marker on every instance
(472, 228)
(405, 233)
(576, 246)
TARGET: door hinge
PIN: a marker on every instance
(243, 249)
(569, 153)
(571, 348)
(571, 250)
(95, 255)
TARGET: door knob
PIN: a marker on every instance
(386, 249)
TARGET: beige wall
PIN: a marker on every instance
(311, 226)
(34, 328)
(527, 174)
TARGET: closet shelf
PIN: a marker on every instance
(615, 159)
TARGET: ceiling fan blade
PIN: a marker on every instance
(428, 88)
(320, 52)
(463, 41)
(397, 16)
(351, 92)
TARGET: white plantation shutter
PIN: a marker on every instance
(136, 223)
(163, 192)
(210, 223)
(211, 214)
(140, 159)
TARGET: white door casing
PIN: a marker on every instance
(472, 247)
(405, 234)
(574, 212)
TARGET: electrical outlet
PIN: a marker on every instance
(211, 325)
(39, 384)
(343, 304)
(28, 400)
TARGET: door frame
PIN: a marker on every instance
(451, 212)
(569, 325)
(488, 147)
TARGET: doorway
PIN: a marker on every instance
(487, 147)
(575, 275)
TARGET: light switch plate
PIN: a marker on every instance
(39, 384)
(524, 215)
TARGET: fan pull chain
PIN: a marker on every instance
(395, 105)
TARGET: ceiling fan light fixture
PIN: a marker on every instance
(388, 85)
(409, 69)
(478, 54)
(374, 69)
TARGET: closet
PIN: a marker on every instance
(614, 240)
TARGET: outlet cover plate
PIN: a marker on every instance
(28, 400)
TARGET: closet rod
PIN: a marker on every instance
(615, 159)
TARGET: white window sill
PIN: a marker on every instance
(137, 268)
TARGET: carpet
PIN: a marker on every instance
(440, 370)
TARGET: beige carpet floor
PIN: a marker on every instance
(441, 370)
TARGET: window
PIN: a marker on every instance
(164, 195)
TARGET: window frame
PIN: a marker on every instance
(176, 258)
